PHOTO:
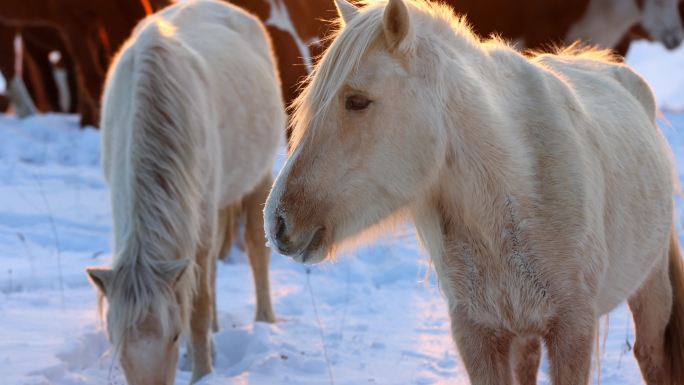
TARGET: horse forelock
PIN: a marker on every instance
(140, 290)
(350, 43)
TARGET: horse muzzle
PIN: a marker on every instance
(302, 246)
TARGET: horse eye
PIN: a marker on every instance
(357, 103)
(176, 337)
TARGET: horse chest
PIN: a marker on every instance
(501, 288)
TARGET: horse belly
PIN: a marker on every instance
(630, 263)
(636, 223)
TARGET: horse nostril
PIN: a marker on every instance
(280, 227)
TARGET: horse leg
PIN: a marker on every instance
(201, 317)
(229, 215)
(485, 352)
(651, 306)
(214, 311)
(257, 251)
(224, 221)
(569, 341)
(37, 81)
(525, 358)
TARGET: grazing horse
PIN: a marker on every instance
(540, 185)
(192, 116)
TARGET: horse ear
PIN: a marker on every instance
(172, 271)
(396, 23)
(346, 10)
(100, 277)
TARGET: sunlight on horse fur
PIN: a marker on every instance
(165, 28)
(540, 185)
(179, 144)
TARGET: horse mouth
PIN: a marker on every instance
(312, 252)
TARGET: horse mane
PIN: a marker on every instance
(164, 179)
(578, 50)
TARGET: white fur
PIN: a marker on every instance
(541, 186)
(192, 115)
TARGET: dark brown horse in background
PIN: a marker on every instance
(90, 31)
(38, 71)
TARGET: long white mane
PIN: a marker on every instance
(161, 177)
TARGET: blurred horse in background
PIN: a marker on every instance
(638, 32)
(41, 74)
(91, 31)
(606, 22)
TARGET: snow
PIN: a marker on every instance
(374, 316)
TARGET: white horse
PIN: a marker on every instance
(605, 22)
(191, 123)
(541, 186)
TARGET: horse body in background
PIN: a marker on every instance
(38, 70)
(541, 186)
(638, 32)
(606, 22)
(192, 116)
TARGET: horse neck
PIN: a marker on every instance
(161, 170)
(487, 160)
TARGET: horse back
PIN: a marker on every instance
(239, 76)
(621, 154)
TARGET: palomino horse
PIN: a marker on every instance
(192, 116)
(541, 186)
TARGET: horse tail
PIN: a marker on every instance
(674, 331)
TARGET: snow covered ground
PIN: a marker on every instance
(373, 317)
